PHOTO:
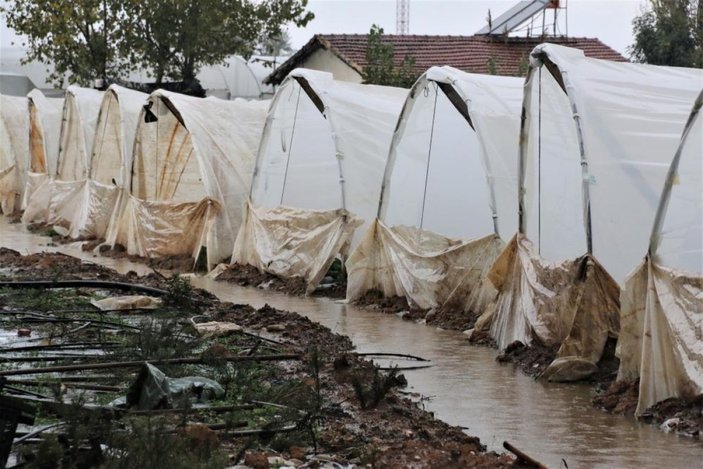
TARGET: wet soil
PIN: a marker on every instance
(250, 276)
(330, 379)
(683, 416)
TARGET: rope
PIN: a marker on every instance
(429, 156)
(290, 146)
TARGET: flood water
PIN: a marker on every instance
(466, 386)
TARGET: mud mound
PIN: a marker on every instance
(250, 276)
(683, 416)
(454, 319)
(532, 360)
(619, 398)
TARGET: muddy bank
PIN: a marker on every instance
(354, 413)
(249, 276)
(678, 415)
(447, 318)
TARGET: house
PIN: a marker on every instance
(344, 55)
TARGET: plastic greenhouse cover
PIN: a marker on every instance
(677, 238)
(111, 157)
(627, 120)
(335, 142)
(80, 116)
(196, 149)
(45, 116)
(449, 174)
(14, 150)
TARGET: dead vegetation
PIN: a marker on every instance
(287, 391)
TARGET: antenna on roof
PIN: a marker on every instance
(519, 14)
(402, 17)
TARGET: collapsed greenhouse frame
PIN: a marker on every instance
(191, 172)
(449, 148)
(343, 131)
(560, 289)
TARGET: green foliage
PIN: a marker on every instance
(80, 37)
(381, 68)
(168, 38)
(180, 292)
(176, 38)
(670, 33)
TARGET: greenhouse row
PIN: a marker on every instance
(564, 208)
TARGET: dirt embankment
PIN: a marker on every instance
(680, 415)
(250, 276)
(354, 412)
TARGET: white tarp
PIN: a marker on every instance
(45, 131)
(14, 151)
(593, 157)
(449, 193)
(192, 166)
(79, 120)
(90, 203)
(321, 157)
(662, 302)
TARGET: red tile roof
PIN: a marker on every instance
(468, 53)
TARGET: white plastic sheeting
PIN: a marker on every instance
(594, 148)
(320, 163)
(662, 302)
(14, 151)
(45, 132)
(449, 193)
(88, 204)
(231, 79)
(191, 175)
(79, 120)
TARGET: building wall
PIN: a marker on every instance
(326, 61)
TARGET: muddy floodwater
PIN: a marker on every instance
(466, 386)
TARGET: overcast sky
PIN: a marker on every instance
(610, 20)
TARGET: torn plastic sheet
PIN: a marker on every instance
(428, 269)
(154, 390)
(292, 242)
(573, 304)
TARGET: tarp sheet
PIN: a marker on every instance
(428, 269)
(324, 148)
(14, 151)
(595, 144)
(573, 304)
(662, 302)
(292, 242)
(449, 192)
(196, 153)
(45, 131)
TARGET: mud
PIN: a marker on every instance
(683, 416)
(250, 276)
(395, 432)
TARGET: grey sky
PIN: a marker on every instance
(610, 20)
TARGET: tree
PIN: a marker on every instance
(380, 66)
(79, 37)
(167, 38)
(670, 33)
(177, 37)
